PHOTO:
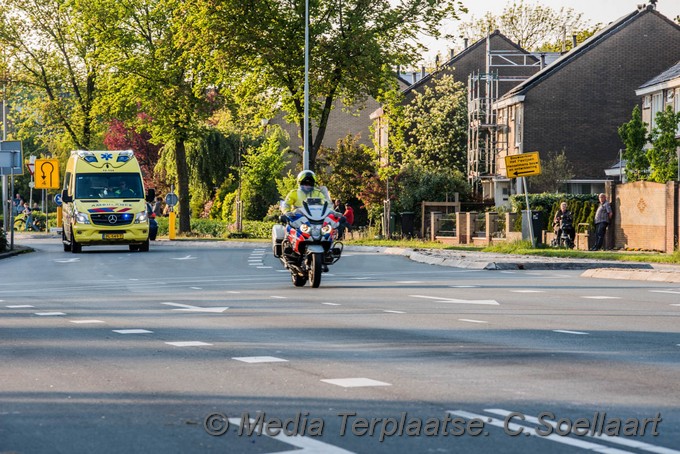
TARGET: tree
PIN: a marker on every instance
(555, 170)
(51, 49)
(563, 44)
(526, 24)
(436, 122)
(663, 158)
(634, 137)
(120, 137)
(147, 74)
(351, 165)
(353, 46)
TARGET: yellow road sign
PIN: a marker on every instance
(522, 165)
(47, 173)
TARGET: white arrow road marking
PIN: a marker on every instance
(531, 431)
(612, 439)
(457, 301)
(188, 308)
(68, 260)
(188, 257)
(306, 445)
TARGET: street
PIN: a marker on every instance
(208, 347)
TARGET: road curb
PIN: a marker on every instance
(16, 251)
(635, 275)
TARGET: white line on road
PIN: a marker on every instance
(671, 305)
(20, 306)
(260, 359)
(409, 282)
(464, 286)
(332, 304)
(612, 439)
(469, 320)
(233, 292)
(196, 288)
(188, 308)
(602, 297)
(394, 312)
(457, 301)
(306, 445)
(188, 344)
(527, 291)
(47, 314)
(279, 297)
(665, 291)
(86, 321)
(355, 382)
(132, 331)
(564, 331)
(188, 257)
(263, 267)
(519, 428)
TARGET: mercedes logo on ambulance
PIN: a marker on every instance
(112, 218)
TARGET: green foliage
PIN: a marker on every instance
(663, 158)
(559, 45)
(415, 185)
(258, 229)
(582, 206)
(53, 54)
(353, 46)
(528, 25)
(437, 126)
(555, 170)
(350, 166)
(634, 137)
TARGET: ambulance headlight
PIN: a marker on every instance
(82, 218)
(141, 217)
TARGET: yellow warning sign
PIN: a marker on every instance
(522, 165)
(47, 173)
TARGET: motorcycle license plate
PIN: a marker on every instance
(113, 236)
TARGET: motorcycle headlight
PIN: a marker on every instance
(141, 217)
(81, 218)
(326, 229)
(316, 232)
(304, 228)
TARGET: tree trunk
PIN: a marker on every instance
(183, 186)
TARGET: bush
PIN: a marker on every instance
(582, 206)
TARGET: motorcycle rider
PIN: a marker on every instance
(307, 189)
(564, 222)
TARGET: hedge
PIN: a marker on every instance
(582, 207)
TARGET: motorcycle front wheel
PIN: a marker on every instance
(315, 269)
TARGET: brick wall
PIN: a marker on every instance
(646, 216)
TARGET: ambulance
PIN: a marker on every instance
(103, 201)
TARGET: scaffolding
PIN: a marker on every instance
(483, 92)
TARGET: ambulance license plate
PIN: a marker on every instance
(113, 236)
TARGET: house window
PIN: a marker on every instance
(518, 127)
(657, 106)
(669, 97)
(646, 102)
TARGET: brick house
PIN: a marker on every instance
(495, 54)
(659, 93)
(577, 103)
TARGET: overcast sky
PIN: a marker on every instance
(604, 11)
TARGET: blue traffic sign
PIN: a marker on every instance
(57, 199)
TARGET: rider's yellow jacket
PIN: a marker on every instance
(295, 198)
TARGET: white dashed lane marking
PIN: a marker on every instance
(332, 304)
(527, 291)
(132, 331)
(20, 306)
(279, 297)
(85, 322)
(355, 382)
(564, 331)
(602, 297)
(188, 344)
(48, 314)
(666, 291)
(469, 320)
(394, 312)
(260, 359)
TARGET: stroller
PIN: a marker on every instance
(563, 233)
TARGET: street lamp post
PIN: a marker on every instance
(305, 132)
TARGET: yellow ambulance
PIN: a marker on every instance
(103, 201)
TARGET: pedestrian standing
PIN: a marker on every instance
(602, 217)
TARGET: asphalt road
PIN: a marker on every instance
(113, 351)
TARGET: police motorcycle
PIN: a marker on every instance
(305, 242)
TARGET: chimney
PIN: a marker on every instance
(398, 70)
(436, 61)
(452, 54)
(465, 43)
(573, 41)
(542, 61)
(422, 71)
(415, 77)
